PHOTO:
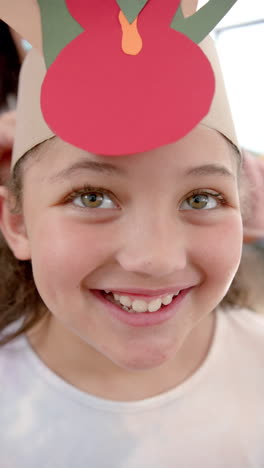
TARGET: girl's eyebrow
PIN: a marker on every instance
(108, 168)
(210, 169)
(102, 167)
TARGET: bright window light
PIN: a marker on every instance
(239, 40)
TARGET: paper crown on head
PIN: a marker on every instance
(120, 76)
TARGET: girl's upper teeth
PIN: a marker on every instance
(139, 305)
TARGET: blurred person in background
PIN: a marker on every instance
(247, 287)
(10, 61)
(11, 57)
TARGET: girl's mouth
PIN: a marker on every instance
(137, 312)
(138, 305)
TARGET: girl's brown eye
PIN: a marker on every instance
(93, 200)
(198, 202)
(202, 201)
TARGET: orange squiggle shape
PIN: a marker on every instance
(131, 39)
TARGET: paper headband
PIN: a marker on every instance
(124, 76)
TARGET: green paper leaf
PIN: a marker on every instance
(199, 25)
(59, 28)
(131, 8)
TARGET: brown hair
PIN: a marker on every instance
(20, 300)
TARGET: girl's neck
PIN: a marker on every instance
(93, 373)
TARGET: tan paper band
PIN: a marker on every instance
(32, 129)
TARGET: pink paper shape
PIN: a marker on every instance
(97, 98)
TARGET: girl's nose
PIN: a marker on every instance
(155, 249)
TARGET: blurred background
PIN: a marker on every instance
(240, 42)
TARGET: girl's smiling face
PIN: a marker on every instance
(168, 219)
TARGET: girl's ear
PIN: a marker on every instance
(13, 228)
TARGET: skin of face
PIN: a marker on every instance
(147, 236)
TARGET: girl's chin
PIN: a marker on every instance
(136, 361)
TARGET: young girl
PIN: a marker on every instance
(116, 349)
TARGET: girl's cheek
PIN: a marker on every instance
(71, 249)
(219, 248)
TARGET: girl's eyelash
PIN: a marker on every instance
(219, 196)
(84, 190)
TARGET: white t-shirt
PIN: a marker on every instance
(214, 419)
